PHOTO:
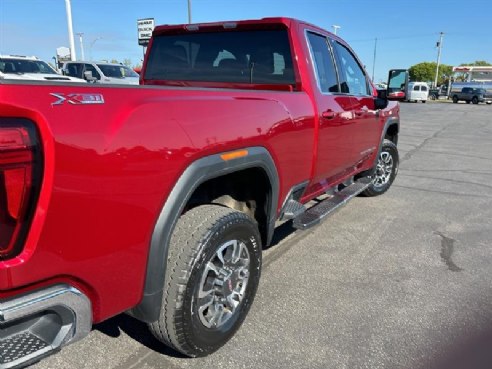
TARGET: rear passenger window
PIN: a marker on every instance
(352, 76)
(416, 88)
(323, 62)
(423, 88)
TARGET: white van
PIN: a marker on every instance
(101, 72)
(417, 91)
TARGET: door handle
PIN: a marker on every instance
(328, 114)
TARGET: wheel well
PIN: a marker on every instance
(248, 191)
(392, 133)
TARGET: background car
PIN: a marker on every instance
(101, 72)
(474, 95)
(30, 68)
(417, 91)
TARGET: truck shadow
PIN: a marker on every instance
(281, 232)
(472, 352)
(136, 330)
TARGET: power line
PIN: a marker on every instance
(394, 37)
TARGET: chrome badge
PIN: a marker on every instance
(77, 99)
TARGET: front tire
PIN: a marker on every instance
(386, 170)
(455, 99)
(475, 100)
(213, 271)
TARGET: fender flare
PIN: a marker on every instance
(389, 122)
(196, 173)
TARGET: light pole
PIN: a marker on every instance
(80, 34)
(336, 28)
(374, 58)
(68, 7)
(90, 46)
(439, 45)
(189, 11)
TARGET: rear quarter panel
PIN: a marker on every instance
(108, 169)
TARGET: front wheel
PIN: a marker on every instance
(213, 270)
(386, 170)
(475, 100)
(455, 99)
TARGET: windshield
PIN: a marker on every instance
(256, 56)
(21, 66)
(117, 71)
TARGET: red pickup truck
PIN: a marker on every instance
(157, 200)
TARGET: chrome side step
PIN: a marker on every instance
(318, 212)
(293, 209)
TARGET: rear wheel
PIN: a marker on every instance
(213, 270)
(475, 100)
(455, 99)
(386, 170)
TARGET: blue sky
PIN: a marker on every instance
(407, 31)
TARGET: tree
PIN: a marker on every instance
(478, 63)
(426, 72)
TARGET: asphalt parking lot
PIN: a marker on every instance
(398, 281)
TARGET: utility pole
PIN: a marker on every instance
(336, 28)
(189, 11)
(374, 58)
(80, 34)
(439, 46)
(73, 55)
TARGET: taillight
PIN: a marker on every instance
(20, 169)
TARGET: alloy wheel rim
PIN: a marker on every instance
(223, 284)
(384, 168)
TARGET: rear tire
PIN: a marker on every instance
(386, 170)
(455, 99)
(213, 271)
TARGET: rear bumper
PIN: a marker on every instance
(37, 324)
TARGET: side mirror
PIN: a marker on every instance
(88, 76)
(397, 84)
(381, 101)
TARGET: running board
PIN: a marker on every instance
(318, 212)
